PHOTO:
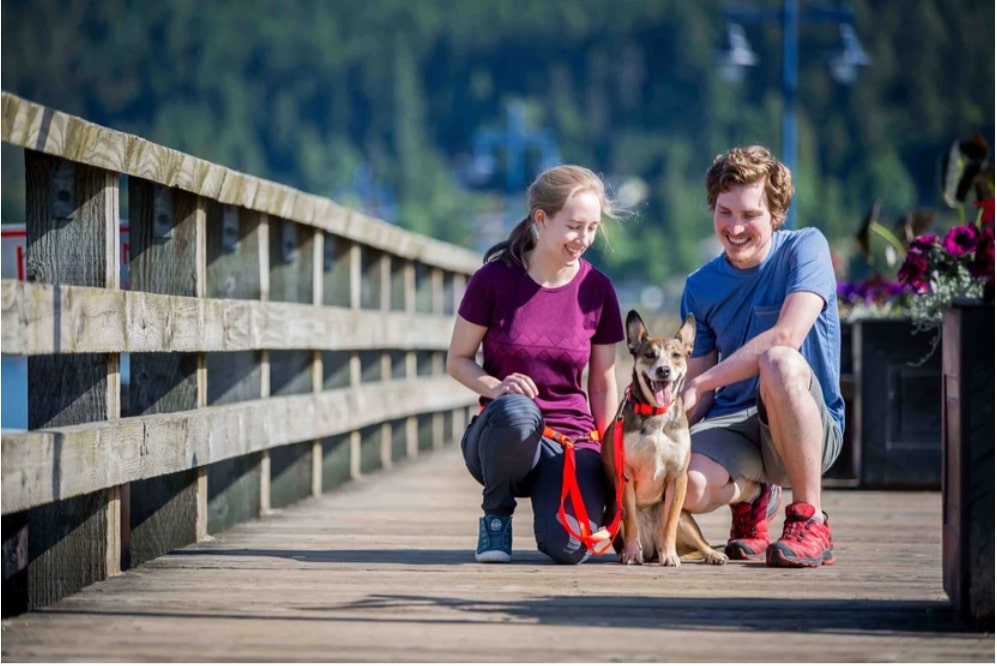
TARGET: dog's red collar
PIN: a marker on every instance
(643, 408)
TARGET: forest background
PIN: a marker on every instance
(379, 104)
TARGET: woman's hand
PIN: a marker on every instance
(516, 383)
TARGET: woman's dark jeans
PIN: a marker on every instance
(505, 450)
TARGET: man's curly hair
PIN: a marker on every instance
(747, 165)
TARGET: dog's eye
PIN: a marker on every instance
(650, 354)
(676, 356)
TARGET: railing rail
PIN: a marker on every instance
(278, 343)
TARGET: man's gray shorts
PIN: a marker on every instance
(742, 441)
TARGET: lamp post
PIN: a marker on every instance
(844, 64)
(513, 142)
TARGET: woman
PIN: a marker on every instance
(541, 316)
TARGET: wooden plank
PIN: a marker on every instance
(15, 564)
(163, 515)
(382, 570)
(51, 319)
(290, 474)
(371, 449)
(233, 491)
(57, 463)
(37, 128)
(336, 271)
(72, 222)
(233, 376)
(290, 372)
(167, 256)
(67, 547)
(70, 212)
(233, 246)
(291, 262)
(335, 461)
(371, 279)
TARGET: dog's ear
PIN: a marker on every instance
(687, 333)
(636, 331)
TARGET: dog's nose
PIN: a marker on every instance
(663, 372)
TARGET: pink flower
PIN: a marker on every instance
(960, 240)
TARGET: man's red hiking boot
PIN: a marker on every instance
(805, 542)
(749, 527)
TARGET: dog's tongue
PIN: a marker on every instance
(662, 393)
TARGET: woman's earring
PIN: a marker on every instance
(534, 231)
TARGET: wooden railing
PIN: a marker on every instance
(278, 344)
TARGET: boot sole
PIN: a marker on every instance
(777, 558)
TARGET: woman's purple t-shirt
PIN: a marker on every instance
(545, 333)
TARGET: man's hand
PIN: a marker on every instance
(690, 398)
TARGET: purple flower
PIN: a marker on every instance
(914, 272)
(922, 245)
(960, 240)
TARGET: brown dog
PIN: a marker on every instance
(656, 448)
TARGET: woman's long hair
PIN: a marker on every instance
(549, 192)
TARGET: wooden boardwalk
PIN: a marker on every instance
(382, 570)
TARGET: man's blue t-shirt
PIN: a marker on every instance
(732, 306)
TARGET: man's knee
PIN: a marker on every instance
(783, 370)
(696, 493)
(704, 473)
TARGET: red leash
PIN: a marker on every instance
(569, 488)
(569, 482)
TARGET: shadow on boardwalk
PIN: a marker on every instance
(382, 570)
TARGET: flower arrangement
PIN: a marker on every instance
(874, 296)
(934, 270)
(938, 270)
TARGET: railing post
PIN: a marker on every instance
(318, 297)
(167, 256)
(234, 270)
(72, 221)
(264, 260)
(295, 265)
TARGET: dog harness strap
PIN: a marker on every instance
(569, 488)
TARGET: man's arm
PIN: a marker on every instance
(696, 405)
(797, 316)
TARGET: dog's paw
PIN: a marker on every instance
(714, 557)
(632, 554)
(669, 559)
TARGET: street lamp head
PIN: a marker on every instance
(738, 55)
(844, 64)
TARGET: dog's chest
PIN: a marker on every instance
(653, 457)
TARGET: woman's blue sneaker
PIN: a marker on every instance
(494, 539)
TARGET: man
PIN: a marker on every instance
(763, 391)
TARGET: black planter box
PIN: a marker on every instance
(897, 405)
